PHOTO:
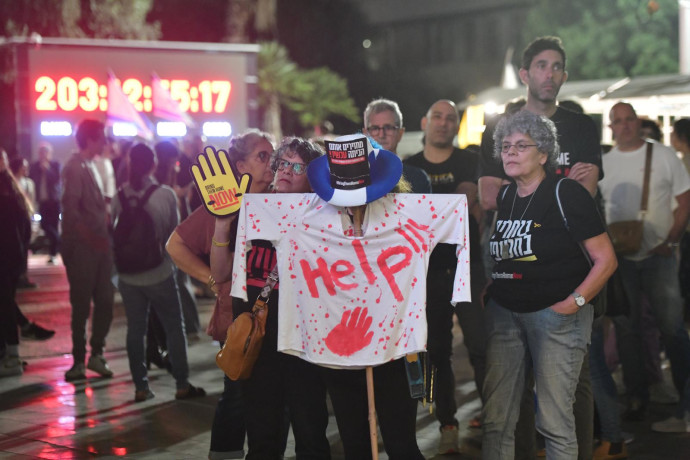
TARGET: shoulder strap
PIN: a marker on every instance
(140, 202)
(565, 220)
(505, 190)
(144, 199)
(647, 174)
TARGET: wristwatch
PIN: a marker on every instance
(579, 299)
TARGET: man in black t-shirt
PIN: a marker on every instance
(451, 170)
(543, 72)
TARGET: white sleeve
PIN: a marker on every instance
(259, 217)
(460, 234)
(448, 221)
(242, 246)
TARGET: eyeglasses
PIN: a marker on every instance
(387, 129)
(520, 147)
(297, 168)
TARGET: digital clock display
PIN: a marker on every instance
(73, 80)
(60, 82)
(69, 93)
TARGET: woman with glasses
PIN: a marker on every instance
(546, 273)
(259, 402)
(290, 165)
(190, 246)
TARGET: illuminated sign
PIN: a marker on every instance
(207, 86)
(67, 93)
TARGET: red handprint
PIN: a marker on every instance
(351, 334)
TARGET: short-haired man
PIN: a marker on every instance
(383, 122)
(451, 170)
(652, 272)
(86, 251)
(543, 72)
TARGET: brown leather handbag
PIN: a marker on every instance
(245, 336)
(626, 235)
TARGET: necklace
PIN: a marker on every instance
(528, 203)
(505, 245)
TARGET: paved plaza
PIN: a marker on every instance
(42, 416)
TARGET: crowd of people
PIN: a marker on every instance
(540, 193)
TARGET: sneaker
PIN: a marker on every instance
(98, 364)
(76, 372)
(672, 425)
(610, 451)
(449, 440)
(662, 393)
(33, 331)
(143, 395)
(11, 365)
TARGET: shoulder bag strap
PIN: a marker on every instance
(266, 291)
(647, 174)
(565, 221)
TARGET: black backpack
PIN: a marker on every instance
(136, 246)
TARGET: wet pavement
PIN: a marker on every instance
(42, 416)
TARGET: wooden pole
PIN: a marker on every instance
(372, 414)
(357, 219)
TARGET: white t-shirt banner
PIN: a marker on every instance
(353, 302)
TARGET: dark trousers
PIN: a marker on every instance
(227, 432)
(472, 322)
(50, 219)
(395, 409)
(279, 381)
(9, 334)
(439, 318)
(190, 311)
(89, 276)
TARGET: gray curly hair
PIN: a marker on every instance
(539, 128)
(242, 145)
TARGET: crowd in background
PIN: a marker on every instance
(523, 219)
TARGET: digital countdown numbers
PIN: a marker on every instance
(68, 94)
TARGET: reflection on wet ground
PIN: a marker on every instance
(42, 416)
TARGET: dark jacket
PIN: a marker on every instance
(15, 230)
(52, 178)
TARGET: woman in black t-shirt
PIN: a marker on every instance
(539, 318)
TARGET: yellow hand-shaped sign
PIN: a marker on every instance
(219, 189)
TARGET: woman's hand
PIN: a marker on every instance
(566, 307)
